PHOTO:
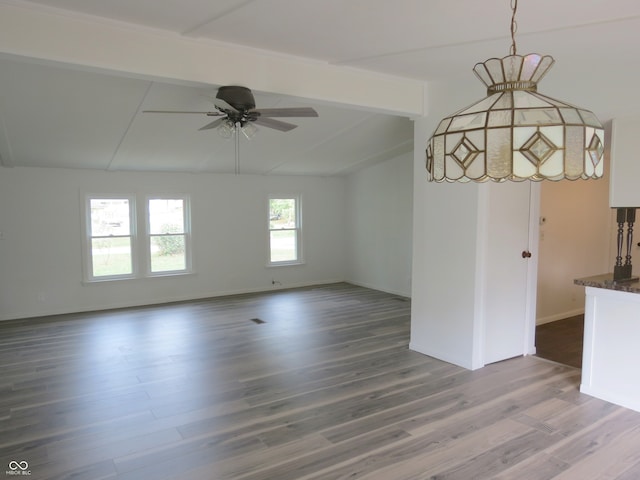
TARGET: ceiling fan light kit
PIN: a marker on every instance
(516, 133)
(226, 129)
(249, 130)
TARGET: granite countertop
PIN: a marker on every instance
(606, 281)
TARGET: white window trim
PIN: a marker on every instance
(87, 243)
(187, 236)
(299, 243)
(139, 231)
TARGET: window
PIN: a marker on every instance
(167, 235)
(111, 237)
(284, 231)
(113, 250)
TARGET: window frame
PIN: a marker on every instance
(186, 223)
(88, 238)
(140, 234)
(299, 260)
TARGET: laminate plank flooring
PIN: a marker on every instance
(561, 341)
(326, 388)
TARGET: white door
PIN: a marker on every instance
(508, 272)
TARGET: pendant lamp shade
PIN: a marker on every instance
(516, 133)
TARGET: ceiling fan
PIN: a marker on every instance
(236, 108)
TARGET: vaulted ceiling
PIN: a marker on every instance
(59, 108)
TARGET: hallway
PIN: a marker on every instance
(561, 341)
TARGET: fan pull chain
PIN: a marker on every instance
(514, 26)
(237, 135)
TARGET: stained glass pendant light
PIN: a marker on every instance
(516, 133)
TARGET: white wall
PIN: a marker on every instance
(379, 226)
(445, 227)
(444, 270)
(574, 242)
(40, 248)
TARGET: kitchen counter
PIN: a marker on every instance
(606, 281)
(611, 350)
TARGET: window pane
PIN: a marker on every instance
(168, 253)
(166, 215)
(109, 217)
(111, 256)
(282, 213)
(283, 246)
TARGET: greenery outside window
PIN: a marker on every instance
(167, 235)
(284, 231)
(114, 223)
(111, 237)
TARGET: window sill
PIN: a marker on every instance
(285, 264)
(95, 281)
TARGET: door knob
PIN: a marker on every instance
(526, 254)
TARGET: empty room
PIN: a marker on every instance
(252, 240)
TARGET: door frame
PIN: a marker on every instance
(529, 347)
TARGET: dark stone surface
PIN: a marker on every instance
(606, 281)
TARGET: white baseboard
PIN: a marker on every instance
(442, 355)
(380, 289)
(627, 401)
(157, 301)
(559, 316)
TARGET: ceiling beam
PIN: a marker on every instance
(94, 43)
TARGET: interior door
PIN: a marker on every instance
(509, 269)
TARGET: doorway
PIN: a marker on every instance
(575, 241)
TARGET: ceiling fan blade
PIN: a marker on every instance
(213, 124)
(287, 112)
(275, 124)
(223, 105)
(209, 114)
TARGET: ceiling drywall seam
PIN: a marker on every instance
(192, 31)
(328, 139)
(128, 129)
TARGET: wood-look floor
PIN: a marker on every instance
(325, 389)
(561, 341)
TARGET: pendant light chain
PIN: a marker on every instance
(514, 26)
(237, 134)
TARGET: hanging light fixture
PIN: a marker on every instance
(227, 129)
(516, 133)
(230, 129)
(249, 130)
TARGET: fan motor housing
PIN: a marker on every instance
(238, 97)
